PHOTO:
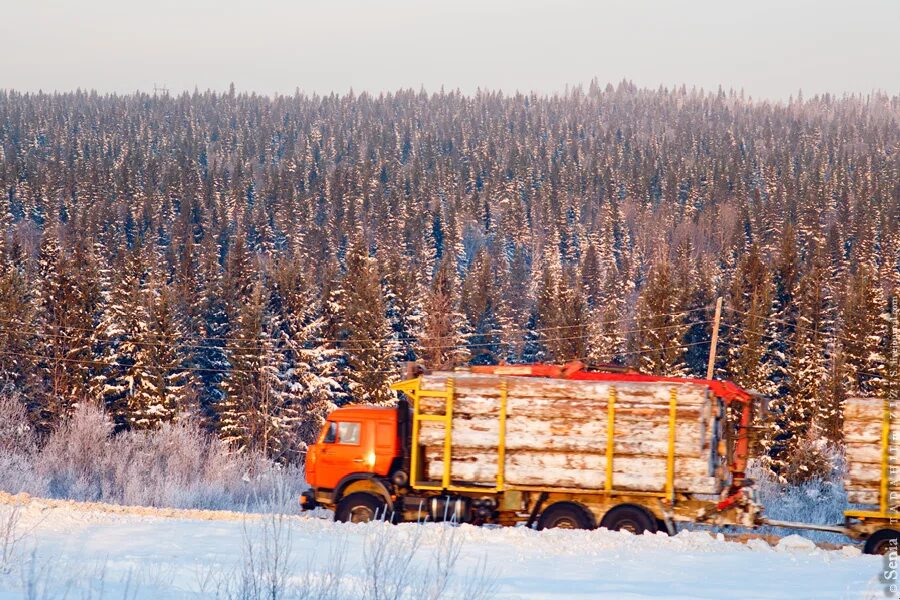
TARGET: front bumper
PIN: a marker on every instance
(308, 500)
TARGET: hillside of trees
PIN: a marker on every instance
(257, 260)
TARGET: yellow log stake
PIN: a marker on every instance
(670, 462)
(448, 433)
(414, 446)
(501, 444)
(610, 436)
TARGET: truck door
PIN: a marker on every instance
(341, 453)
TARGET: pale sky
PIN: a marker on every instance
(769, 48)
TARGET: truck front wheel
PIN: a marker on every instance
(628, 517)
(883, 541)
(359, 507)
(565, 515)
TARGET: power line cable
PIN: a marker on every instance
(348, 343)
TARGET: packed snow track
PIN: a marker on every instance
(67, 549)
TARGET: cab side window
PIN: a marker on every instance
(348, 433)
(330, 433)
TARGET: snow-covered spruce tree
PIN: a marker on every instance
(121, 336)
(660, 324)
(749, 349)
(807, 405)
(781, 328)
(16, 328)
(259, 411)
(65, 298)
(591, 276)
(203, 290)
(403, 294)
(606, 342)
(485, 308)
(162, 386)
(520, 338)
(561, 311)
(864, 334)
(331, 292)
(443, 342)
(695, 284)
(311, 357)
(367, 343)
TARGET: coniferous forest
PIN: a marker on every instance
(257, 260)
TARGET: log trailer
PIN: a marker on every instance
(584, 466)
(872, 448)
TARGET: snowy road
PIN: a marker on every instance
(75, 548)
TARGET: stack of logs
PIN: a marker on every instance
(863, 428)
(556, 434)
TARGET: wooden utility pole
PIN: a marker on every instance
(715, 339)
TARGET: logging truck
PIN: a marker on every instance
(566, 447)
(544, 445)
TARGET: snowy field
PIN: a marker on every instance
(80, 551)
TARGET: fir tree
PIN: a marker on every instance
(660, 324)
(258, 412)
(485, 310)
(443, 342)
(750, 301)
(311, 358)
(66, 301)
(864, 333)
(161, 385)
(368, 344)
(808, 403)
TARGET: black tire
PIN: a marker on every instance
(359, 507)
(882, 541)
(629, 517)
(565, 515)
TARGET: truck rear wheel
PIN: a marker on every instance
(883, 541)
(359, 507)
(565, 515)
(629, 517)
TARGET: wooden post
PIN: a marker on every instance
(715, 340)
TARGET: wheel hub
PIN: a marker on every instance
(361, 514)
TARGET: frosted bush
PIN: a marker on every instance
(74, 457)
(179, 465)
(818, 500)
(16, 433)
(813, 458)
(18, 445)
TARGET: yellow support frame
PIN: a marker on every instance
(670, 459)
(413, 388)
(501, 445)
(610, 438)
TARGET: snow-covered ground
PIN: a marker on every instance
(96, 551)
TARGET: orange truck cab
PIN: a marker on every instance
(357, 446)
